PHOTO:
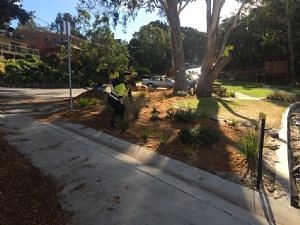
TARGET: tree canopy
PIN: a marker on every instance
(10, 10)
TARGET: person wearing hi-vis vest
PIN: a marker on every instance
(113, 77)
(130, 77)
(116, 101)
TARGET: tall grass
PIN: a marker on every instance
(83, 102)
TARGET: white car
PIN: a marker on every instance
(193, 73)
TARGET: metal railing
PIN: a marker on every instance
(14, 49)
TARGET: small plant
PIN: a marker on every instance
(154, 114)
(188, 150)
(248, 146)
(182, 114)
(234, 122)
(199, 136)
(164, 137)
(83, 102)
(283, 96)
(230, 94)
(147, 132)
(122, 125)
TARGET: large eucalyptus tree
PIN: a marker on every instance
(217, 54)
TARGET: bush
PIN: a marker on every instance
(143, 71)
(122, 125)
(199, 136)
(230, 94)
(83, 102)
(283, 96)
(164, 136)
(147, 132)
(248, 146)
(182, 114)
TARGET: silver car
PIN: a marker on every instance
(158, 81)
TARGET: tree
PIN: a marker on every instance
(10, 10)
(194, 45)
(216, 56)
(171, 8)
(150, 48)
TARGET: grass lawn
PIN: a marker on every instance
(255, 89)
(237, 109)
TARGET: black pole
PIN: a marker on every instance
(262, 118)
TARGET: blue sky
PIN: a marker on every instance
(192, 16)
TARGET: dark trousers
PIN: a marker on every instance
(119, 109)
(114, 82)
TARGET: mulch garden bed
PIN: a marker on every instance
(26, 196)
(222, 158)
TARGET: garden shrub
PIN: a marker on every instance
(83, 102)
(283, 96)
(143, 71)
(182, 114)
(147, 132)
(122, 125)
(164, 136)
(248, 146)
(199, 136)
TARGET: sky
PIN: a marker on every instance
(192, 16)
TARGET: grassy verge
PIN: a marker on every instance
(240, 110)
(255, 89)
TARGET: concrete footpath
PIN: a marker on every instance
(101, 186)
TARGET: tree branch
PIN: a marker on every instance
(181, 7)
(230, 29)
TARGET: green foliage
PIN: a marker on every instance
(10, 10)
(248, 146)
(199, 136)
(83, 102)
(182, 114)
(122, 125)
(283, 96)
(230, 94)
(234, 122)
(150, 48)
(164, 136)
(147, 132)
(143, 71)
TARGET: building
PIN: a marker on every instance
(13, 46)
(47, 42)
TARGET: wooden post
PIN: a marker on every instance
(262, 121)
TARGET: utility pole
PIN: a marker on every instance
(67, 31)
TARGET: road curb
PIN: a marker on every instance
(293, 195)
(236, 194)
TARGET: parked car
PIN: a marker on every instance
(158, 81)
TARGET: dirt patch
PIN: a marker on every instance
(26, 196)
(222, 159)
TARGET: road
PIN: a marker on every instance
(101, 186)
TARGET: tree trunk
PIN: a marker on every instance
(177, 46)
(291, 51)
(207, 74)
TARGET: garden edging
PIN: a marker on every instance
(293, 195)
(236, 194)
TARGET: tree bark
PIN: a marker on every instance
(214, 60)
(177, 46)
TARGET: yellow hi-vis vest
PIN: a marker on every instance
(130, 76)
(114, 75)
(118, 92)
